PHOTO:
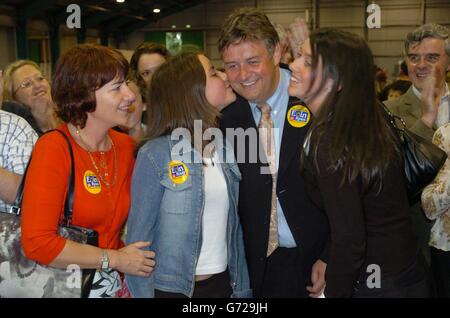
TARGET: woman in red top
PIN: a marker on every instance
(91, 96)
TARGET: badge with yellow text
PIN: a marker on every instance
(178, 172)
(298, 116)
(91, 182)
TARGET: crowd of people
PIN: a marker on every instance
(164, 146)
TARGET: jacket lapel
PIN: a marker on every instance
(413, 103)
(240, 115)
(292, 139)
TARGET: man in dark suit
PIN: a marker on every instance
(250, 49)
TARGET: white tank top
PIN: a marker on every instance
(213, 254)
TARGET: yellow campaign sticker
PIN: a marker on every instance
(91, 182)
(178, 172)
(298, 116)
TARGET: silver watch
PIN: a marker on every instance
(105, 261)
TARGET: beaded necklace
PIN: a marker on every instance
(102, 164)
(27, 274)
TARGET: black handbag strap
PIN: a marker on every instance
(393, 117)
(68, 204)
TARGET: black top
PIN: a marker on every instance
(366, 228)
(22, 111)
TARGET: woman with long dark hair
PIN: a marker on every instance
(353, 165)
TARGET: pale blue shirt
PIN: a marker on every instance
(278, 102)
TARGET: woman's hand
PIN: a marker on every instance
(133, 259)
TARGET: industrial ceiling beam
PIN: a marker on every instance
(97, 18)
(165, 12)
(117, 23)
(34, 8)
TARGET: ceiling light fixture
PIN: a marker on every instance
(120, 1)
(188, 26)
(156, 10)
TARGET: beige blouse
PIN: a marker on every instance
(436, 196)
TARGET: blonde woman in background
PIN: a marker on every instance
(25, 83)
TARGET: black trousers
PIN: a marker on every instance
(284, 275)
(440, 268)
(217, 286)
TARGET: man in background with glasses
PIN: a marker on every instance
(425, 108)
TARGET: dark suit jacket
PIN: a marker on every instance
(308, 225)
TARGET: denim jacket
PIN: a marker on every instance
(169, 214)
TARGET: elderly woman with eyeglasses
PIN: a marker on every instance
(24, 83)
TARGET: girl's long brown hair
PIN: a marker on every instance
(361, 144)
(176, 97)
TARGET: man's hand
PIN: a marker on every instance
(318, 279)
(297, 33)
(431, 96)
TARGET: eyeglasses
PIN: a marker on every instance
(29, 82)
(429, 58)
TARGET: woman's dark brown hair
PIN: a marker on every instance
(359, 140)
(81, 71)
(146, 48)
(176, 97)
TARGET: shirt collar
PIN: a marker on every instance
(419, 95)
(280, 91)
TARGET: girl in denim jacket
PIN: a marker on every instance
(185, 189)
